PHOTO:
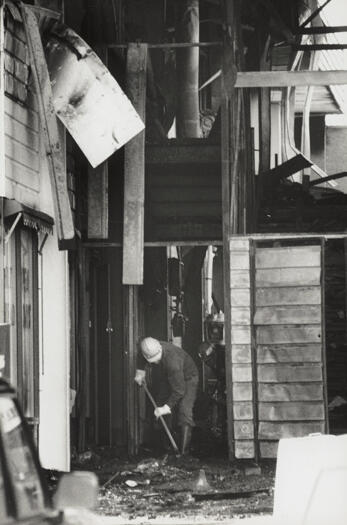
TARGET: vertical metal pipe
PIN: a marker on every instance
(188, 115)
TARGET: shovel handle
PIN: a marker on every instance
(166, 428)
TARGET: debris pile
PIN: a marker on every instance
(183, 487)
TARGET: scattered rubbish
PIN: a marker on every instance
(85, 456)
(131, 483)
(201, 484)
(252, 470)
(337, 402)
(147, 464)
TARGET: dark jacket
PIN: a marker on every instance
(177, 367)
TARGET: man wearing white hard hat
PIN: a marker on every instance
(180, 374)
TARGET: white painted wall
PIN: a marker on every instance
(54, 430)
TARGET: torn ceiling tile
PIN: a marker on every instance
(87, 99)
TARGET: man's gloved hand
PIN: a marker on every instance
(162, 411)
(140, 377)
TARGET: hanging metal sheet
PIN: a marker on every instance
(86, 97)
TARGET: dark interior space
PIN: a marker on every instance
(336, 334)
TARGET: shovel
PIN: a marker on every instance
(166, 428)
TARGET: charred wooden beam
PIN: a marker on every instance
(336, 176)
(256, 79)
(288, 168)
(134, 171)
(318, 47)
(320, 30)
(315, 13)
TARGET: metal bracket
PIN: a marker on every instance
(13, 227)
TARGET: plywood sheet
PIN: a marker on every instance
(288, 334)
(277, 430)
(289, 373)
(299, 314)
(296, 256)
(87, 99)
(298, 411)
(290, 392)
(288, 296)
(286, 353)
(278, 277)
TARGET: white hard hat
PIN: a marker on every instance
(151, 349)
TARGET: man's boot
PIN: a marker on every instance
(186, 438)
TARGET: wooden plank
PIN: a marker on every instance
(244, 449)
(28, 117)
(241, 335)
(240, 243)
(243, 429)
(24, 135)
(286, 296)
(268, 449)
(241, 315)
(289, 373)
(22, 176)
(49, 125)
(299, 411)
(192, 151)
(290, 392)
(295, 256)
(240, 297)
(22, 154)
(278, 430)
(243, 410)
(259, 79)
(242, 373)
(239, 260)
(239, 279)
(287, 277)
(271, 315)
(98, 202)
(288, 334)
(286, 353)
(242, 391)
(134, 171)
(241, 353)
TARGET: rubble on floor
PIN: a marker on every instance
(180, 487)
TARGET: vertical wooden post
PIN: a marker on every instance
(133, 232)
(130, 343)
(98, 188)
(228, 136)
(188, 114)
(134, 171)
(2, 167)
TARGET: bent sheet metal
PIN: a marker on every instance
(86, 97)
